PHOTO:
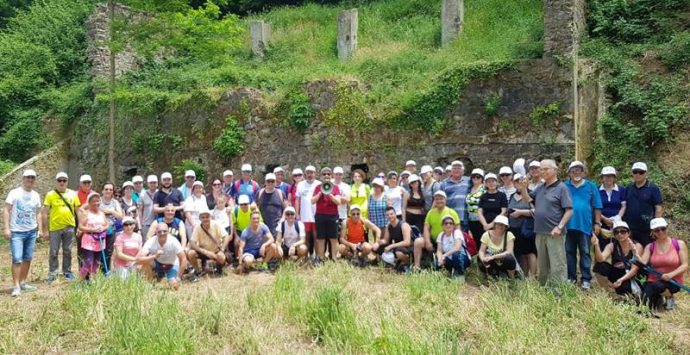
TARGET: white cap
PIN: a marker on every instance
(505, 170)
(639, 166)
(310, 168)
(378, 181)
(128, 219)
(576, 164)
(246, 168)
(477, 171)
(608, 170)
(338, 170)
(189, 173)
(439, 169)
(297, 171)
(61, 174)
(243, 199)
(412, 178)
(137, 179)
(657, 223)
(85, 178)
(490, 176)
(354, 207)
(204, 210)
(127, 183)
(440, 193)
(270, 176)
(447, 217)
(449, 168)
(197, 183)
(166, 175)
(152, 178)
(426, 169)
(29, 172)
(228, 173)
(388, 257)
(290, 209)
(410, 162)
(517, 176)
(501, 219)
(278, 170)
(404, 172)
(457, 162)
(617, 223)
(535, 164)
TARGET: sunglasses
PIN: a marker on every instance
(354, 214)
(448, 223)
(271, 182)
(639, 172)
(381, 176)
(476, 176)
(296, 174)
(504, 175)
(216, 184)
(62, 180)
(290, 214)
(128, 224)
(620, 231)
(660, 229)
(326, 174)
(86, 182)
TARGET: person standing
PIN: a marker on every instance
(246, 185)
(304, 206)
(534, 172)
(613, 202)
(168, 195)
(553, 207)
(297, 177)
(643, 203)
(93, 226)
(113, 212)
(360, 191)
(456, 187)
(60, 221)
(188, 186)
(138, 183)
(146, 214)
(215, 194)
(414, 203)
(345, 196)
(227, 186)
(280, 182)
(326, 216)
(429, 186)
(271, 203)
(507, 186)
(128, 204)
(84, 190)
(492, 203)
(474, 196)
(22, 221)
(586, 220)
(396, 194)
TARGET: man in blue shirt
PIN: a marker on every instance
(586, 209)
(643, 203)
(456, 187)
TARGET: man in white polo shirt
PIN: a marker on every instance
(304, 207)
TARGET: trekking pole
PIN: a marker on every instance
(105, 264)
(654, 272)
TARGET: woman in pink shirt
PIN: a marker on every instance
(127, 246)
(93, 228)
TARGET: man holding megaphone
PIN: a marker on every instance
(326, 198)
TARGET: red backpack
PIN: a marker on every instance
(470, 245)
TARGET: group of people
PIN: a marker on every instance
(525, 221)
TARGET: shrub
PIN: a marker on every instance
(230, 142)
(19, 140)
(632, 21)
(189, 164)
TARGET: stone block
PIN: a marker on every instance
(348, 23)
(261, 35)
(452, 20)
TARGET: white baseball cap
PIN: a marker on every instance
(246, 168)
(152, 178)
(128, 219)
(354, 207)
(127, 183)
(440, 193)
(617, 223)
(166, 175)
(410, 162)
(413, 178)
(608, 170)
(137, 179)
(426, 169)
(197, 183)
(204, 210)
(388, 257)
(404, 172)
(278, 170)
(290, 209)
(61, 174)
(517, 176)
(639, 166)
(243, 199)
(490, 176)
(189, 173)
(310, 168)
(378, 181)
(576, 164)
(270, 176)
(457, 162)
(501, 219)
(85, 178)
(535, 164)
(228, 173)
(657, 223)
(29, 172)
(297, 171)
(477, 171)
(505, 170)
(338, 170)
(439, 169)
(449, 168)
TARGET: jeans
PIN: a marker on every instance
(575, 240)
(65, 237)
(22, 246)
(169, 271)
(551, 259)
(457, 263)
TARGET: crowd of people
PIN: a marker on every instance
(525, 222)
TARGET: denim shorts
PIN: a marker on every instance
(22, 246)
(170, 271)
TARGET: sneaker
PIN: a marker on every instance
(70, 276)
(16, 292)
(27, 288)
(670, 303)
(192, 277)
(51, 278)
(586, 285)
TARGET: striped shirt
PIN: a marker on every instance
(456, 192)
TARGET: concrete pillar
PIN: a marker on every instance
(261, 35)
(564, 24)
(452, 20)
(347, 33)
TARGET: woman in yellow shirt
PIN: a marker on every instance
(360, 191)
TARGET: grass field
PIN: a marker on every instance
(332, 309)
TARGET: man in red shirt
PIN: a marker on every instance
(84, 189)
(326, 217)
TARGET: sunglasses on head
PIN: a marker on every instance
(639, 172)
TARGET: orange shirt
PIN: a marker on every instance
(355, 231)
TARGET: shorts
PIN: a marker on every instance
(254, 253)
(169, 271)
(523, 246)
(22, 246)
(309, 227)
(326, 226)
(124, 272)
(405, 250)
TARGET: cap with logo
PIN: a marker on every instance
(657, 223)
(639, 166)
(608, 170)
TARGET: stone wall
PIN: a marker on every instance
(564, 24)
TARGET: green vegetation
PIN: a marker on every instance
(541, 115)
(6, 166)
(189, 164)
(230, 142)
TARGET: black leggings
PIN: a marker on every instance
(652, 292)
(477, 231)
(415, 220)
(613, 274)
(496, 267)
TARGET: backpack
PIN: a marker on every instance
(238, 183)
(282, 227)
(674, 242)
(470, 245)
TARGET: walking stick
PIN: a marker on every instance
(651, 270)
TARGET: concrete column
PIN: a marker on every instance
(347, 33)
(452, 20)
(564, 24)
(261, 35)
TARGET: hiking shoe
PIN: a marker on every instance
(16, 292)
(51, 278)
(27, 288)
(70, 276)
(670, 303)
(273, 265)
(586, 285)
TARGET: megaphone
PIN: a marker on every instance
(327, 188)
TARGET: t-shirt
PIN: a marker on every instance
(395, 194)
(612, 201)
(25, 206)
(550, 204)
(170, 249)
(173, 227)
(212, 242)
(508, 191)
(342, 208)
(290, 235)
(194, 205)
(493, 249)
(60, 215)
(185, 191)
(586, 199)
(448, 241)
(434, 220)
(131, 244)
(254, 240)
(640, 205)
(174, 197)
(221, 217)
(491, 204)
(324, 205)
(305, 191)
(359, 196)
(473, 199)
(243, 219)
(147, 215)
(285, 188)
(83, 196)
(456, 192)
(429, 190)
